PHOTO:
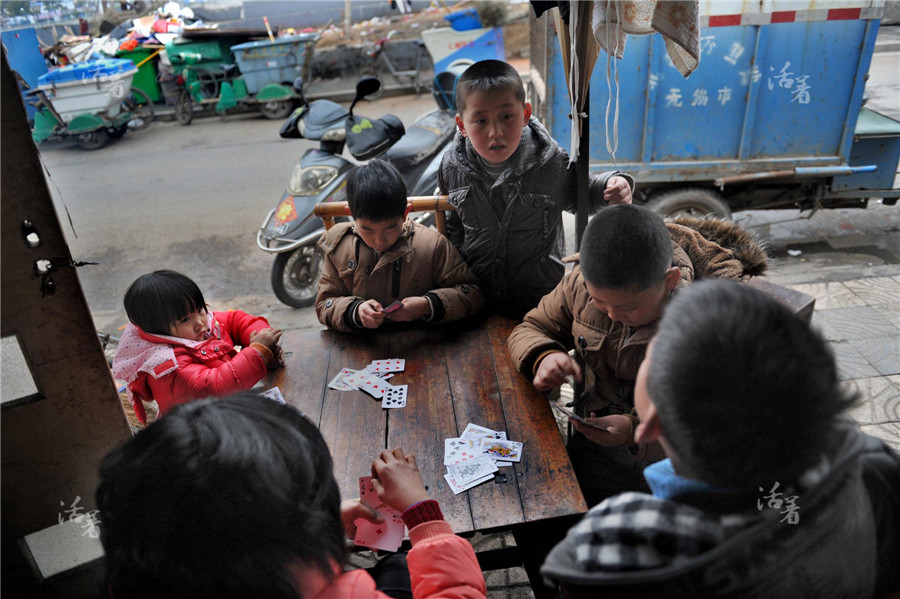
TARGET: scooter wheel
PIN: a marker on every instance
(92, 140)
(295, 276)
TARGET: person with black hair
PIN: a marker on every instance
(509, 182)
(767, 489)
(175, 349)
(381, 258)
(236, 498)
(606, 309)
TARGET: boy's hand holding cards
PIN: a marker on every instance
(578, 418)
(388, 534)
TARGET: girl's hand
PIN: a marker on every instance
(554, 369)
(619, 423)
(397, 481)
(351, 509)
(413, 308)
(268, 337)
(277, 358)
(370, 314)
(617, 191)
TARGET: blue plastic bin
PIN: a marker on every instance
(280, 61)
(464, 20)
(86, 71)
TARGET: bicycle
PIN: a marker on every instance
(380, 58)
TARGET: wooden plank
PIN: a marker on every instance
(421, 427)
(476, 398)
(547, 484)
(303, 379)
(353, 423)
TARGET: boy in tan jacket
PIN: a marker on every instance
(382, 267)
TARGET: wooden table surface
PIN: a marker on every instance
(457, 374)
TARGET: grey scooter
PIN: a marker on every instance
(291, 229)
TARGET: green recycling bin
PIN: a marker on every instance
(146, 77)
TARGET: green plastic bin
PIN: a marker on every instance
(146, 77)
(213, 53)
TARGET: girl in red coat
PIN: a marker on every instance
(175, 349)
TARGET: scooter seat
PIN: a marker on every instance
(322, 116)
(426, 137)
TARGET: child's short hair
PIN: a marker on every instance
(155, 301)
(376, 191)
(626, 246)
(218, 498)
(488, 76)
(747, 393)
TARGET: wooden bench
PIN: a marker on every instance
(437, 204)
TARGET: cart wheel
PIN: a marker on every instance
(276, 109)
(92, 140)
(141, 108)
(117, 132)
(692, 201)
(209, 81)
(184, 108)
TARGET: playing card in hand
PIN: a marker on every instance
(388, 534)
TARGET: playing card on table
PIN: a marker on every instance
(338, 381)
(389, 365)
(466, 472)
(387, 535)
(274, 394)
(459, 450)
(458, 488)
(499, 449)
(367, 382)
(473, 431)
(394, 397)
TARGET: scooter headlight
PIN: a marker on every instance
(311, 180)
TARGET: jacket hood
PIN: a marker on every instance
(747, 247)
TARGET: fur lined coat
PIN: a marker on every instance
(566, 318)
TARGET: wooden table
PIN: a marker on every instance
(457, 374)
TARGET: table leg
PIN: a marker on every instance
(535, 540)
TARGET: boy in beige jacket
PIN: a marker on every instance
(382, 267)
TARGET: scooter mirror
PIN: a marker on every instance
(366, 86)
(298, 85)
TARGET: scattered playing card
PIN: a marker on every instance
(459, 450)
(470, 470)
(338, 381)
(473, 431)
(394, 397)
(458, 488)
(500, 464)
(390, 365)
(498, 449)
(274, 394)
(366, 381)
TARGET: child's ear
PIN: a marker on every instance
(407, 211)
(460, 126)
(527, 111)
(673, 275)
(650, 428)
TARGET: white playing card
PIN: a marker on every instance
(394, 397)
(500, 464)
(365, 381)
(473, 431)
(458, 488)
(499, 449)
(338, 381)
(389, 365)
(470, 470)
(387, 535)
(459, 450)
(274, 394)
